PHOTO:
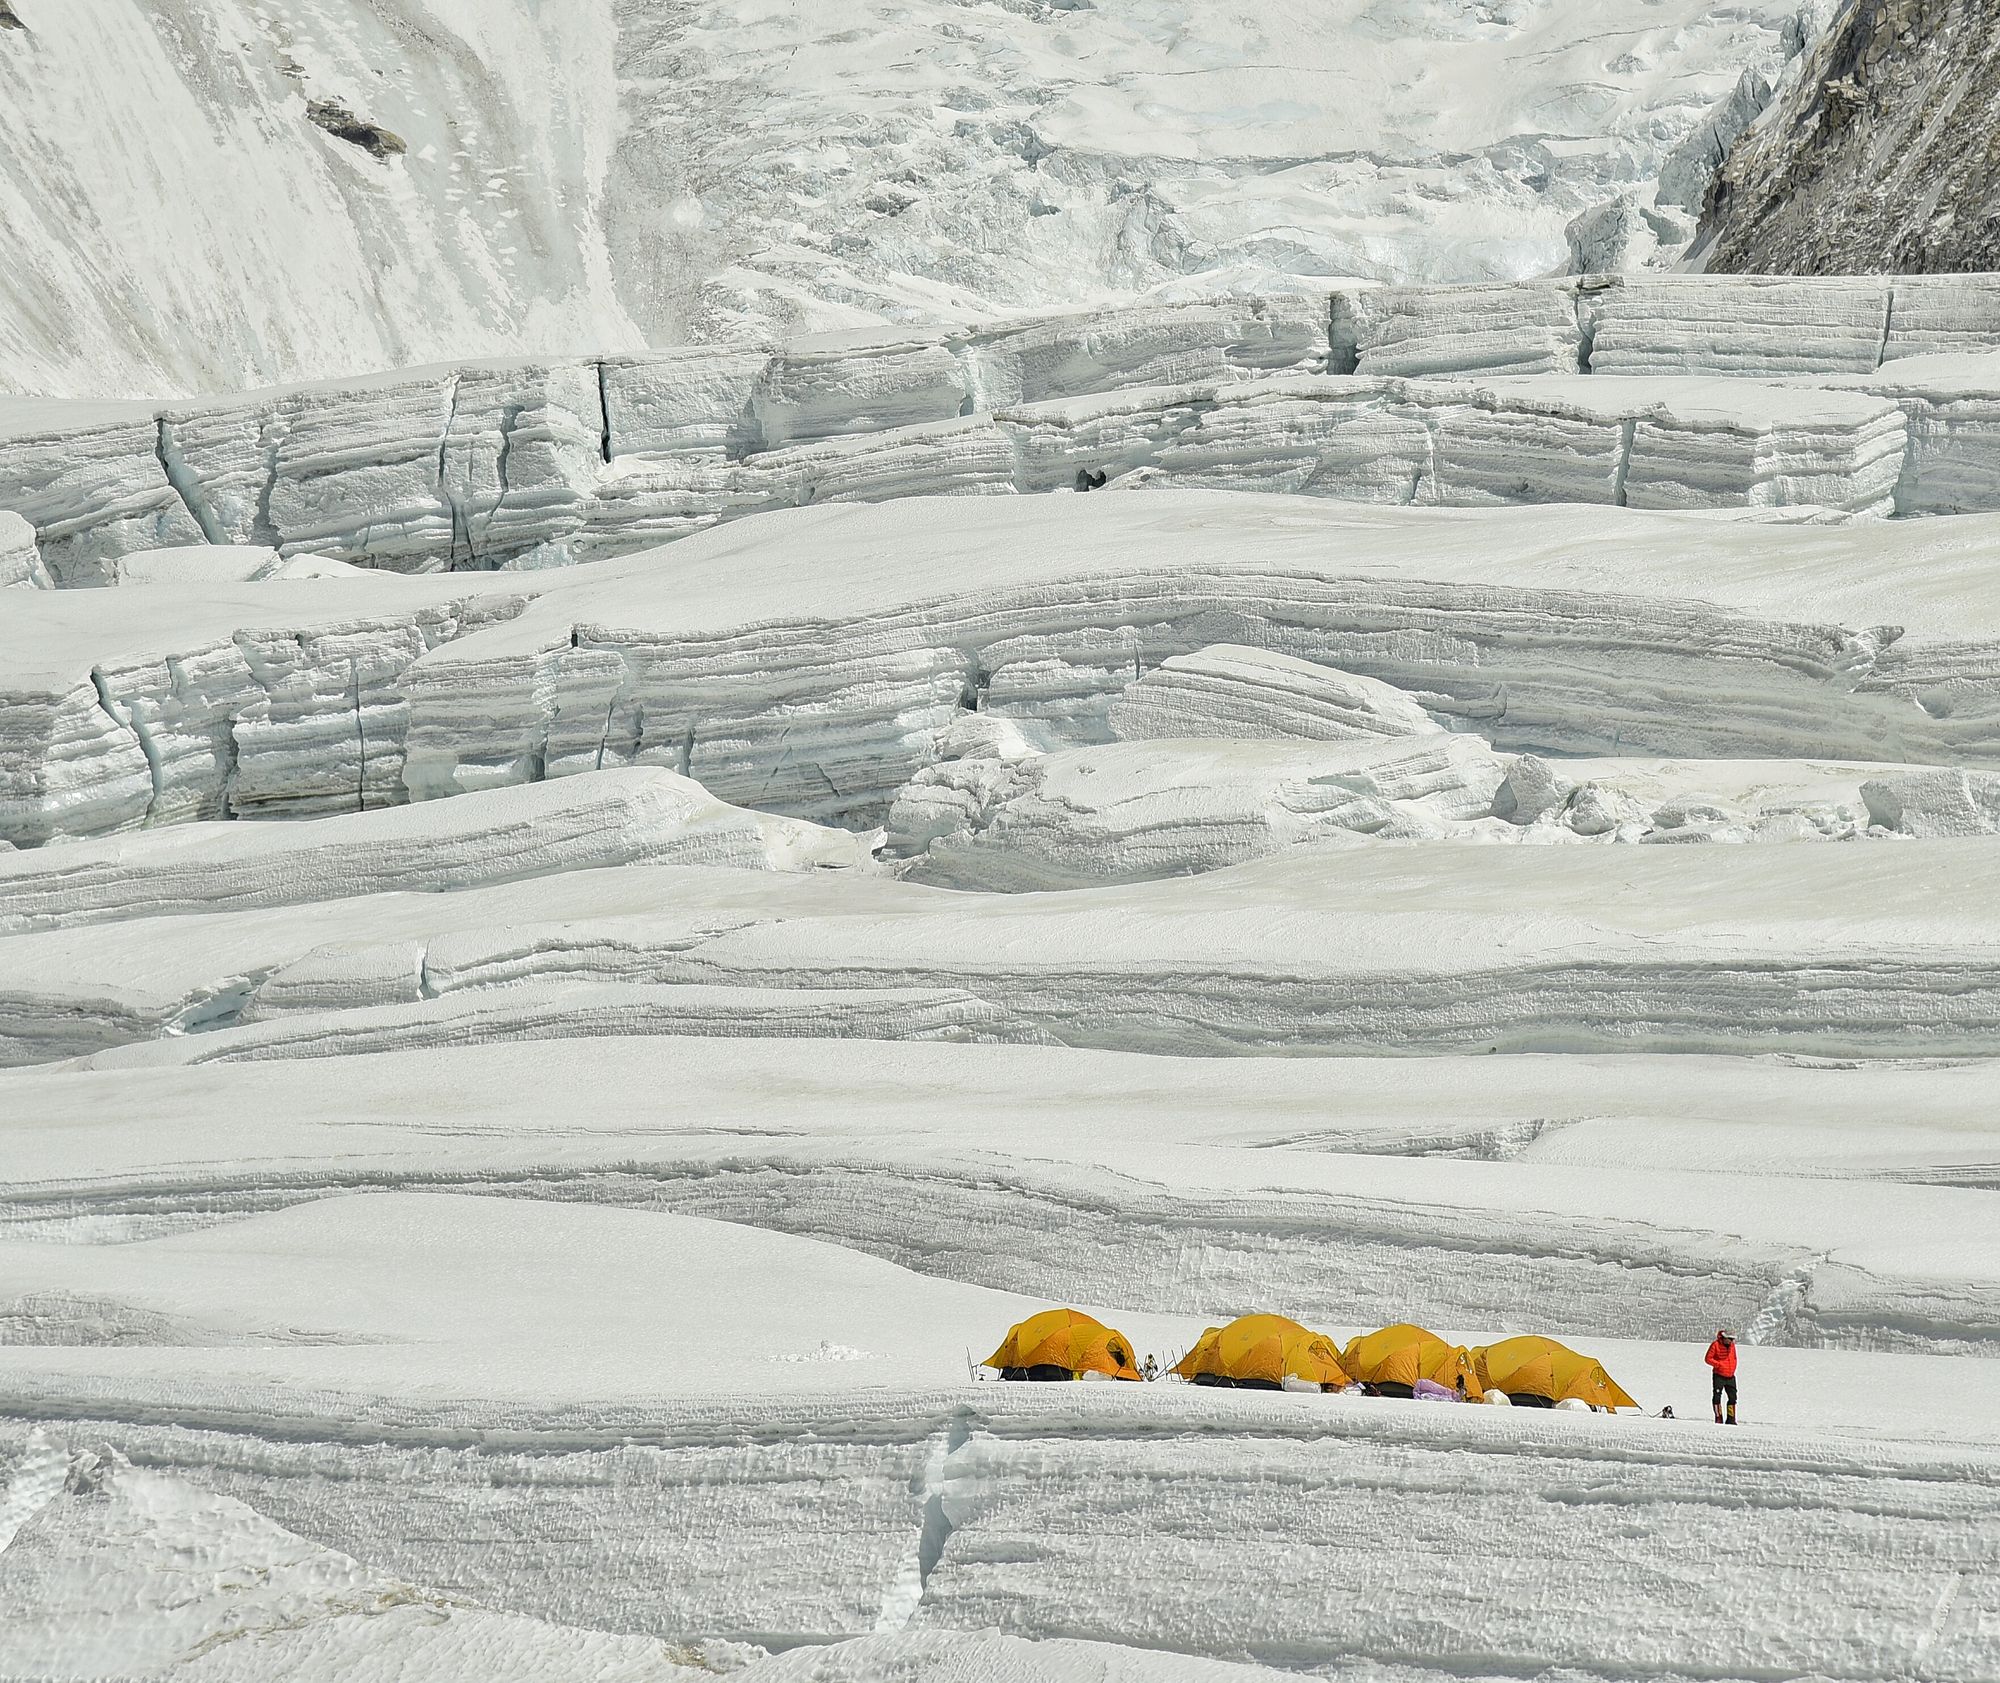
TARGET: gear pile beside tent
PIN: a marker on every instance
(1394, 1361)
(1273, 1353)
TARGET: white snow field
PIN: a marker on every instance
(530, 1206)
(607, 871)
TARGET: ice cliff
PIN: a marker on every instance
(1839, 397)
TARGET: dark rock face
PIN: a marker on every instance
(9, 19)
(342, 124)
(1884, 158)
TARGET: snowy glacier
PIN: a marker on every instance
(533, 1205)
(202, 195)
(699, 700)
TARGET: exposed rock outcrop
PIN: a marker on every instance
(1882, 158)
(379, 143)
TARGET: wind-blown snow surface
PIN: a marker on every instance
(529, 1209)
(204, 195)
(175, 220)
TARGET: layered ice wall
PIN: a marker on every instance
(183, 716)
(1852, 397)
(781, 664)
(368, 692)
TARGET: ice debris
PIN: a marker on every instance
(1226, 690)
(1935, 801)
(1132, 810)
(20, 558)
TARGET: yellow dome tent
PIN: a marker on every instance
(1263, 1351)
(1063, 1344)
(1397, 1357)
(1201, 1363)
(1545, 1371)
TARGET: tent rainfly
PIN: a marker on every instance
(1264, 1353)
(1390, 1362)
(1539, 1371)
(1063, 1344)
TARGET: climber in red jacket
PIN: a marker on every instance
(1721, 1359)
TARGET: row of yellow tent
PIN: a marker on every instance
(1268, 1350)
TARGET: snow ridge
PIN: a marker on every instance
(287, 699)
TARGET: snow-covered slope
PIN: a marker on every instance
(208, 196)
(182, 213)
(872, 156)
(121, 1572)
(518, 1210)
(1811, 950)
(1621, 1195)
(613, 818)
